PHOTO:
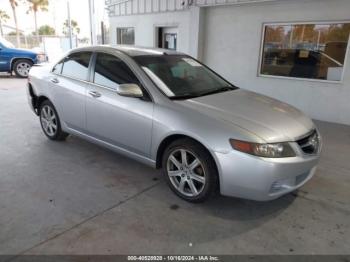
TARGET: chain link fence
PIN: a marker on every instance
(53, 46)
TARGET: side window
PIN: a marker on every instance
(110, 71)
(77, 65)
(58, 68)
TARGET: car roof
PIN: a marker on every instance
(128, 50)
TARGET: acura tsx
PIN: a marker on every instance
(170, 111)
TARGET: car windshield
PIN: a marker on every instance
(6, 43)
(180, 76)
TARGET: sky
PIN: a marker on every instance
(56, 15)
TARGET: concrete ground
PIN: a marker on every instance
(78, 198)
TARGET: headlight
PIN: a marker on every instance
(41, 58)
(274, 150)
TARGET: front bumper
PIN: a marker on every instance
(262, 179)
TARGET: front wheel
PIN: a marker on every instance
(50, 122)
(190, 170)
(22, 68)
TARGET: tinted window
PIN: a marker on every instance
(58, 68)
(180, 75)
(110, 71)
(77, 65)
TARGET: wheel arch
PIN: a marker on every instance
(173, 137)
(15, 59)
(36, 99)
(39, 101)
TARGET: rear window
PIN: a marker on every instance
(58, 68)
(77, 65)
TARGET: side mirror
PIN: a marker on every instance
(130, 90)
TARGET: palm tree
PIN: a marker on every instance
(3, 18)
(75, 27)
(14, 4)
(35, 6)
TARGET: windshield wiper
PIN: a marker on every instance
(218, 90)
(183, 97)
(191, 95)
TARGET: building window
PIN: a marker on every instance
(312, 51)
(126, 36)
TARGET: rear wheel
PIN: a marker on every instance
(50, 122)
(22, 67)
(190, 171)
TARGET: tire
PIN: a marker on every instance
(22, 67)
(50, 122)
(202, 174)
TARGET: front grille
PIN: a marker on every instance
(310, 143)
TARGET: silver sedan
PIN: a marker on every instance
(170, 111)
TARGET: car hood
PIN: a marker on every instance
(23, 51)
(267, 118)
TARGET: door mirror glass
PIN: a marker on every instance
(130, 90)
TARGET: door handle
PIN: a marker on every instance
(55, 80)
(94, 94)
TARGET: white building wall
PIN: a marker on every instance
(232, 40)
(228, 39)
(145, 24)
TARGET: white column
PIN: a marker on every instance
(196, 32)
(92, 22)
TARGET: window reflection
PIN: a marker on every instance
(76, 65)
(126, 36)
(315, 51)
(110, 71)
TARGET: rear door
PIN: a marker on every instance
(69, 82)
(122, 121)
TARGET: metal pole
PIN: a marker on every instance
(92, 22)
(69, 27)
(102, 33)
(318, 39)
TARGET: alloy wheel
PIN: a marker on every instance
(23, 69)
(48, 120)
(186, 172)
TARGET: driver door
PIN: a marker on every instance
(124, 122)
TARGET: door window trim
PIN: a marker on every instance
(71, 77)
(60, 61)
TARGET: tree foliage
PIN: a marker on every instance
(4, 16)
(75, 27)
(38, 5)
(46, 30)
(35, 6)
